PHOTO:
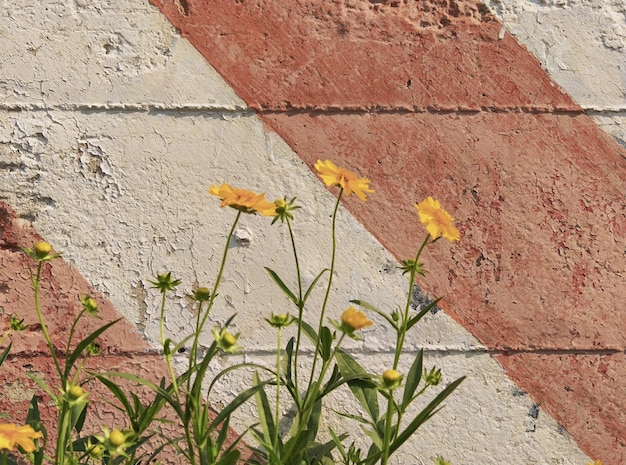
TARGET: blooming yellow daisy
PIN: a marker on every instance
(14, 435)
(438, 221)
(334, 176)
(353, 320)
(243, 200)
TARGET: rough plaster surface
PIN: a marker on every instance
(119, 128)
(582, 45)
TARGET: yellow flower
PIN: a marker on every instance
(438, 221)
(243, 200)
(353, 320)
(595, 462)
(23, 436)
(334, 176)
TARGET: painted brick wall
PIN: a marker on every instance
(113, 126)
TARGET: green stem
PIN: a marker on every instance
(387, 436)
(300, 312)
(199, 328)
(217, 282)
(400, 337)
(42, 323)
(328, 288)
(72, 330)
(405, 317)
(168, 355)
(277, 408)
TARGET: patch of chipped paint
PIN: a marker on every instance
(95, 166)
(18, 392)
(27, 139)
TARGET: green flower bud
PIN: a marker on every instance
(117, 438)
(202, 294)
(75, 392)
(432, 377)
(42, 249)
(392, 379)
(279, 321)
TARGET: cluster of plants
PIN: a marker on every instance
(384, 399)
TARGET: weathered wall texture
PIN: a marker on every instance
(112, 127)
(582, 45)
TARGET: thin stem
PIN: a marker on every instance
(72, 330)
(387, 436)
(328, 288)
(168, 355)
(217, 281)
(277, 409)
(405, 317)
(332, 356)
(300, 312)
(42, 323)
(400, 337)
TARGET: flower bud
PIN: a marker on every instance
(96, 451)
(392, 379)
(89, 305)
(228, 340)
(202, 294)
(75, 392)
(42, 249)
(279, 321)
(432, 377)
(117, 438)
(16, 324)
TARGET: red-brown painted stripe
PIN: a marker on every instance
(422, 98)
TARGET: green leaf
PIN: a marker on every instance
(279, 282)
(117, 393)
(79, 413)
(159, 390)
(309, 331)
(5, 353)
(80, 348)
(235, 404)
(424, 415)
(33, 418)
(230, 458)
(412, 380)
(370, 307)
(264, 411)
(313, 284)
(288, 361)
(325, 343)
(422, 312)
(223, 434)
(362, 390)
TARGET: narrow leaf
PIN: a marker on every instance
(266, 420)
(363, 391)
(235, 404)
(279, 282)
(424, 415)
(230, 458)
(325, 343)
(422, 312)
(5, 352)
(313, 284)
(412, 380)
(80, 348)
